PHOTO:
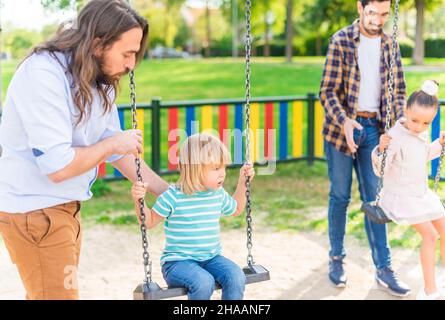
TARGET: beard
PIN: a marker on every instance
(371, 28)
(374, 31)
(107, 79)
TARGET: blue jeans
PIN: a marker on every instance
(340, 168)
(199, 277)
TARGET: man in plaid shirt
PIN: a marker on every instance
(354, 96)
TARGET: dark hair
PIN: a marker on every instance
(422, 99)
(103, 19)
(366, 2)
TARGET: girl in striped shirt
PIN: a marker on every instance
(191, 210)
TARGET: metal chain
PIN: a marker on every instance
(390, 96)
(144, 233)
(439, 169)
(250, 261)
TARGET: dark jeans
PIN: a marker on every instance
(340, 168)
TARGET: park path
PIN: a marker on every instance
(110, 265)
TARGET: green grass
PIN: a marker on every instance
(294, 198)
(224, 78)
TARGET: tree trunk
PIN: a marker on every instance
(405, 24)
(289, 30)
(235, 28)
(419, 44)
(167, 25)
(209, 30)
(318, 45)
(266, 37)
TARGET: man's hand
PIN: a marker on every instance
(348, 130)
(127, 142)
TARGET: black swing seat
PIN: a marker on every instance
(375, 213)
(152, 291)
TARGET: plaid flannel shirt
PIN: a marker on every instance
(340, 85)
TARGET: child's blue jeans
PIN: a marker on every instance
(199, 277)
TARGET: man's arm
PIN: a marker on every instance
(86, 158)
(127, 166)
(330, 86)
(331, 83)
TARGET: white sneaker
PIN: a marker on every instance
(438, 295)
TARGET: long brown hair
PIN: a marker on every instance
(103, 19)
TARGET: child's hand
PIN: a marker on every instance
(442, 138)
(247, 170)
(385, 139)
(139, 190)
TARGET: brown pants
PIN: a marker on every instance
(45, 246)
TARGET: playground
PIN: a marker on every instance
(110, 263)
(286, 230)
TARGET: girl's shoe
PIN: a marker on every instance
(438, 295)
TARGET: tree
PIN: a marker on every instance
(234, 13)
(204, 36)
(208, 44)
(324, 17)
(289, 30)
(62, 4)
(268, 17)
(20, 41)
(235, 27)
(419, 41)
(164, 18)
(171, 16)
(263, 9)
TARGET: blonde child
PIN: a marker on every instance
(405, 196)
(191, 210)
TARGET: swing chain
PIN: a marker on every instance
(248, 47)
(390, 97)
(146, 255)
(439, 169)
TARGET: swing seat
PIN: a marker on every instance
(153, 291)
(375, 213)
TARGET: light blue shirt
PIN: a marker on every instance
(191, 226)
(38, 134)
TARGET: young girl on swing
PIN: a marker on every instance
(405, 197)
(191, 210)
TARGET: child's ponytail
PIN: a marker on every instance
(426, 96)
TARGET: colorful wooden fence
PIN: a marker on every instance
(280, 130)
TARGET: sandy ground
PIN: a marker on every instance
(110, 266)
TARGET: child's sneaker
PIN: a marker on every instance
(438, 295)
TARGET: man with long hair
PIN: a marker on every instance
(59, 123)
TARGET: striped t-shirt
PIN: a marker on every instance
(192, 222)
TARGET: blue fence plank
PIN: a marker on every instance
(283, 131)
(238, 135)
(435, 133)
(189, 121)
(122, 123)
